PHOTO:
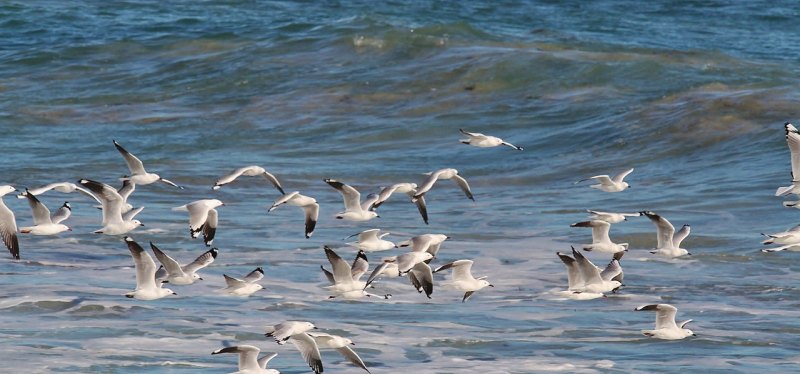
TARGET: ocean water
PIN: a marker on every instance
(691, 94)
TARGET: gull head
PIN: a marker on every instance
(213, 203)
(6, 190)
(484, 283)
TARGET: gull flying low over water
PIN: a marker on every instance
(600, 240)
(420, 275)
(355, 210)
(789, 247)
(174, 273)
(372, 241)
(138, 174)
(285, 330)
(249, 363)
(309, 205)
(202, 217)
(609, 184)
(246, 286)
(249, 171)
(444, 174)
(426, 242)
(146, 286)
(462, 278)
(610, 217)
(790, 236)
(669, 241)
(477, 139)
(114, 221)
(666, 328)
(64, 187)
(586, 281)
(8, 224)
(409, 189)
(345, 278)
(793, 141)
(43, 222)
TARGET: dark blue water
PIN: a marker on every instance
(693, 95)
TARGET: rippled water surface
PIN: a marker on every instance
(693, 95)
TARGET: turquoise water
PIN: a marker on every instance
(691, 94)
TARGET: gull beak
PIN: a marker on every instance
(200, 278)
(352, 343)
(491, 285)
(175, 294)
(141, 224)
(69, 229)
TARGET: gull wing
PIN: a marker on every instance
(8, 230)
(377, 272)
(589, 272)
(421, 278)
(677, 239)
(309, 350)
(234, 282)
(369, 235)
(611, 271)
(145, 266)
(352, 198)
(603, 179)
(41, 215)
(793, 140)
(202, 261)
(422, 208)
(255, 275)
(110, 199)
(342, 273)
(461, 182)
(311, 214)
(384, 194)
(599, 230)
(351, 356)
(360, 266)
(126, 190)
(170, 265)
(62, 213)
(328, 275)
(619, 177)
(271, 178)
(574, 279)
(665, 230)
(665, 315)
(210, 227)
(428, 183)
(132, 213)
(262, 362)
(283, 199)
(368, 202)
(134, 164)
(462, 270)
(230, 177)
(248, 356)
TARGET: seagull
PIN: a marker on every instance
(8, 224)
(288, 329)
(309, 205)
(246, 286)
(174, 273)
(669, 241)
(425, 242)
(65, 187)
(600, 240)
(793, 140)
(462, 279)
(146, 287)
(355, 210)
(114, 221)
(125, 191)
(608, 184)
(249, 171)
(372, 241)
(790, 236)
(477, 139)
(340, 344)
(64, 212)
(303, 342)
(575, 281)
(666, 328)
(43, 223)
(202, 217)
(593, 279)
(409, 189)
(249, 363)
(138, 174)
(345, 277)
(610, 217)
(444, 174)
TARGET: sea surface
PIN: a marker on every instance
(692, 94)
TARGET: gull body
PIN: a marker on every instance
(345, 278)
(249, 363)
(668, 241)
(600, 240)
(43, 222)
(174, 273)
(793, 141)
(426, 242)
(372, 241)
(8, 224)
(575, 281)
(355, 210)
(114, 221)
(202, 217)
(309, 205)
(608, 184)
(584, 277)
(477, 139)
(790, 236)
(340, 344)
(138, 174)
(462, 279)
(444, 174)
(248, 171)
(666, 328)
(246, 286)
(146, 286)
